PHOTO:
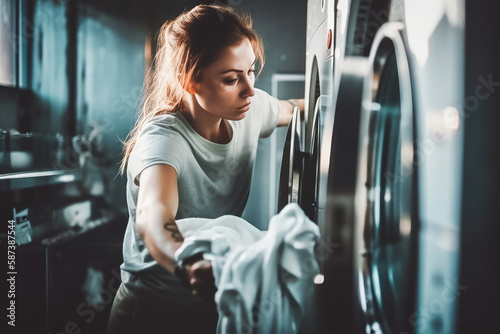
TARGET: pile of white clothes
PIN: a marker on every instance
(264, 279)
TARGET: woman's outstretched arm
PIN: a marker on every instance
(286, 112)
(157, 206)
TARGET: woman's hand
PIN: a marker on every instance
(286, 110)
(201, 279)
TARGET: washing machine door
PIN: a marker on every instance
(292, 164)
(339, 311)
(386, 202)
(311, 178)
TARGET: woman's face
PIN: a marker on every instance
(226, 85)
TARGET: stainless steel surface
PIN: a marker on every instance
(25, 180)
(29, 151)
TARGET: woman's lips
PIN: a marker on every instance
(246, 107)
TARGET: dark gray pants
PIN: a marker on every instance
(155, 315)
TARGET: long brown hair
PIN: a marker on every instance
(185, 46)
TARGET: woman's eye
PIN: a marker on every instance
(230, 81)
(252, 71)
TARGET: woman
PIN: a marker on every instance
(190, 154)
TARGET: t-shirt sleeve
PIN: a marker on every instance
(157, 144)
(269, 110)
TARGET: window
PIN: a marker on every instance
(8, 42)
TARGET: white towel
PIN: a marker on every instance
(264, 279)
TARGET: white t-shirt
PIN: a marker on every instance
(213, 179)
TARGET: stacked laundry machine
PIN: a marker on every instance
(377, 161)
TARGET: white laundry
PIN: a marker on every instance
(264, 279)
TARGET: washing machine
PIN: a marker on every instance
(319, 172)
(408, 193)
(301, 179)
(376, 162)
(319, 160)
(326, 31)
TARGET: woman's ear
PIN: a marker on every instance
(194, 85)
(191, 88)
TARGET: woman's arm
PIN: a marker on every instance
(287, 110)
(157, 206)
(155, 221)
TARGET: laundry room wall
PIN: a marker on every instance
(110, 67)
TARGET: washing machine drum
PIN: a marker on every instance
(386, 217)
(299, 176)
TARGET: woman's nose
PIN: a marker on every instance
(248, 90)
